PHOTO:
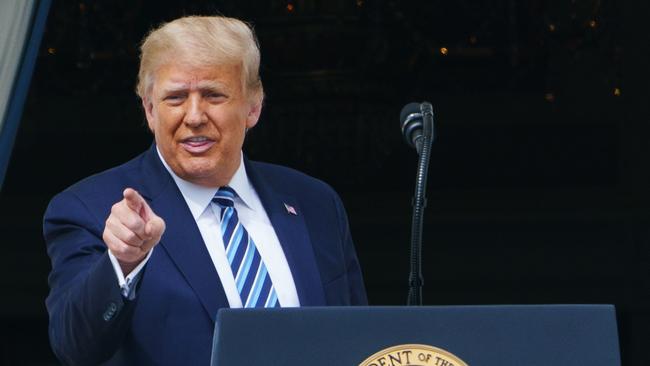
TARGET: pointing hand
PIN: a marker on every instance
(131, 230)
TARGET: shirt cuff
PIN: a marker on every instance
(128, 283)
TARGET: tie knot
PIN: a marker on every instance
(225, 197)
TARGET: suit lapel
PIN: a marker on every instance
(293, 236)
(182, 239)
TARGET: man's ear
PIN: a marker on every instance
(148, 112)
(255, 110)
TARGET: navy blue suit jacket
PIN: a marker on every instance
(171, 320)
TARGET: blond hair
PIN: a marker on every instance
(201, 41)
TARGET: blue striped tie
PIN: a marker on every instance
(251, 277)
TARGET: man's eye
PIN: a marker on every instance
(173, 97)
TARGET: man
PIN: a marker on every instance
(144, 254)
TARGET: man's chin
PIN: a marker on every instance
(204, 175)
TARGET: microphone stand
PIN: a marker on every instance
(423, 147)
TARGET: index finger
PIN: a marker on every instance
(134, 201)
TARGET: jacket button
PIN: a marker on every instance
(111, 309)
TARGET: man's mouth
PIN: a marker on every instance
(197, 144)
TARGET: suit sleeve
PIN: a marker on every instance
(357, 290)
(87, 313)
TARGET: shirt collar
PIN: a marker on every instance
(199, 197)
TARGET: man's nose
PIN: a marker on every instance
(195, 114)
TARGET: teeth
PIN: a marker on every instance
(197, 139)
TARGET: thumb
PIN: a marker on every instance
(147, 213)
(154, 228)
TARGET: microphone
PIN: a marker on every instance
(412, 120)
(416, 120)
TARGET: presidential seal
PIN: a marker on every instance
(413, 355)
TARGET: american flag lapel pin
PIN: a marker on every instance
(291, 209)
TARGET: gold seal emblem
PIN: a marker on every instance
(413, 355)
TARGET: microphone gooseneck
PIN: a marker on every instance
(418, 131)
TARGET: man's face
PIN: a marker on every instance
(199, 116)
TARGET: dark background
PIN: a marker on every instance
(538, 186)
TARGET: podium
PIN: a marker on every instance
(513, 335)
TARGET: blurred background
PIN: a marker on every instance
(539, 182)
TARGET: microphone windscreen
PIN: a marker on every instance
(408, 109)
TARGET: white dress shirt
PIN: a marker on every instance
(207, 216)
